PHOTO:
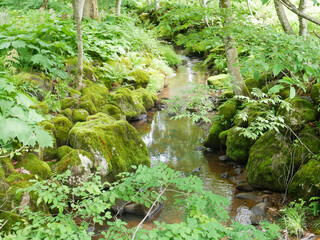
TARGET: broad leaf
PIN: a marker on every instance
(277, 68)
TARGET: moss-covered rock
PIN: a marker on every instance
(146, 97)
(130, 104)
(63, 151)
(62, 126)
(88, 69)
(79, 115)
(238, 146)
(228, 110)
(6, 166)
(227, 94)
(88, 105)
(141, 78)
(49, 153)
(69, 103)
(250, 113)
(212, 140)
(223, 137)
(310, 139)
(79, 162)
(301, 112)
(315, 93)
(125, 61)
(157, 80)
(251, 83)
(41, 107)
(268, 162)
(305, 183)
(35, 166)
(74, 93)
(116, 145)
(114, 111)
(18, 177)
(218, 81)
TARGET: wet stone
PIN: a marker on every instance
(200, 148)
(223, 158)
(224, 175)
(244, 187)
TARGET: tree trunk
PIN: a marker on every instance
(119, 8)
(149, 2)
(44, 4)
(283, 18)
(91, 9)
(238, 84)
(303, 27)
(78, 10)
(157, 5)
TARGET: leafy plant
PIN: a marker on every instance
(19, 123)
(79, 204)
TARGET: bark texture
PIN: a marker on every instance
(78, 10)
(119, 8)
(91, 9)
(303, 27)
(283, 18)
(238, 84)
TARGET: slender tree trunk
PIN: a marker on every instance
(249, 7)
(149, 2)
(204, 5)
(283, 18)
(238, 84)
(303, 27)
(119, 8)
(78, 11)
(157, 5)
(91, 9)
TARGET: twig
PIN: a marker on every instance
(4, 224)
(142, 221)
(318, 36)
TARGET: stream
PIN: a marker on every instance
(175, 143)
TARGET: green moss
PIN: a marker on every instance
(36, 80)
(69, 103)
(6, 166)
(252, 111)
(35, 166)
(218, 81)
(116, 145)
(79, 115)
(18, 177)
(74, 93)
(63, 151)
(305, 183)
(141, 78)
(146, 97)
(212, 140)
(268, 162)
(238, 146)
(228, 110)
(62, 126)
(157, 80)
(67, 113)
(78, 161)
(88, 105)
(49, 153)
(114, 111)
(125, 61)
(97, 89)
(302, 111)
(88, 69)
(41, 107)
(170, 56)
(315, 93)
(223, 137)
(251, 83)
(129, 104)
(228, 94)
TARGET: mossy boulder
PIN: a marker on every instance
(41, 107)
(62, 126)
(114, 111)
(73, 93)
(129, 103)
(315, 93)
(125, 61)
(6, 167)
(228, 110)
(223, 137)
(115, 145)
(238, 146)
(88, 69)
(19, 177)
(212, 140)
(63, 151)
(218, 81)
(79, 115)
(88, 105)
(157, 80)
(79, 162)
(310, 139)
(250, 113)
(141, 78)
(227, 94)
(268, 162)
(35, 166)
(251, 83)
(49, 153)
(69, 103)
(146, 97)
(301, 112)
(305, 183)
